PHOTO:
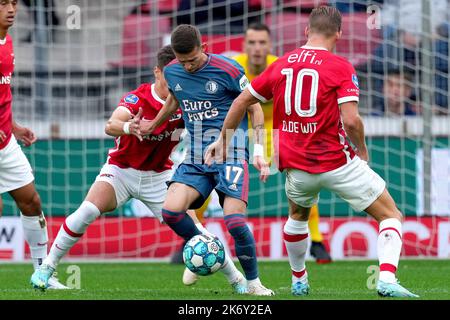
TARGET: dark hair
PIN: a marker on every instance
(258, 27)
(165, 55)
(406, 73)
(325, 20)
(185, 38)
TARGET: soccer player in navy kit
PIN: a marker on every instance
(204, 86)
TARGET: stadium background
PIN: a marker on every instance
(75, 59)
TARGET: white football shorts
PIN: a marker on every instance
(355, 182)
(148, 186)
(15, 170)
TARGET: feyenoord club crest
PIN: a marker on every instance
(211, 86)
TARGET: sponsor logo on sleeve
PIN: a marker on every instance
(131, 98)
(355, 80)
(243, 83)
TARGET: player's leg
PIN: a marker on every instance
(366, 191)
(33, 221)
(152, 193)
(189, 278)
(232, 187)
(302, 191)
(188, 189)
(101, 198)
(233, 275)
(107, 192)
(389, 245)
(244, 244)
(173, 204)
(17, 178)
(295, 236)
(177, 257)
(317, 250)
(179, 198)
(190, 186)
(35, 229)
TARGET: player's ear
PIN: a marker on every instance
(338, 34)
(157, 72)
(306, 31)
(204, 47)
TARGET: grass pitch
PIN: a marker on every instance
(340, 280)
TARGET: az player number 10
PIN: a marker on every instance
(314, 76)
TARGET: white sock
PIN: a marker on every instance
(389, 247)
(35, 232)
(71, 231)
(254, 282)
(295, 234)
(229, 268)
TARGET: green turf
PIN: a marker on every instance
(338, 280)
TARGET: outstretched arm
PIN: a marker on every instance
(354, 127)
(242, 104)
(170, 106)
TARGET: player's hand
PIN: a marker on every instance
(216, 152)
(146, 126)
(135, 125)
(24, 135)
(262, 166)
(2, 136)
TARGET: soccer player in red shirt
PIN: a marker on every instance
(315, 95)
(16, 175)
(137, 167)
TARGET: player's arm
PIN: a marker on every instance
(354, 127)
(170, 106)
(23, 134)
(244, 103)
(257, 119)
(122, 122)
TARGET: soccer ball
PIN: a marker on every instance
(204, 254)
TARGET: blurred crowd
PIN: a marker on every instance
(391, 78)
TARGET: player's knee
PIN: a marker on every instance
(173, 207)
(297, 212)
(31, 206)
(234, 207)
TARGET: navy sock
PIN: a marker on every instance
(244, 244)
(181, 223)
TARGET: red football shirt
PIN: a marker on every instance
(152, 153)
(307, 86)
(6, 70)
